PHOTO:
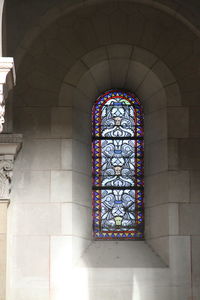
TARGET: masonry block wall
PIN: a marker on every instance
(61, 69)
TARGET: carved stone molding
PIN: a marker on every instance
(7, 81)
(10, 145)
(6, 168)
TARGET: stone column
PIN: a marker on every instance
(9, 147)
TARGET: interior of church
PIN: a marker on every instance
(99, 150)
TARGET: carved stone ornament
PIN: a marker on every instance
(6, 171)
(7, 81)
(10, 145)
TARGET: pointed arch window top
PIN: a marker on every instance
(117, 154)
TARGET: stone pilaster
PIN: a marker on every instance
(9, 146)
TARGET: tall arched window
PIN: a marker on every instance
(117, 156)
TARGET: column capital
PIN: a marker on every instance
(6, 66)
(10, 145)
(7, 81)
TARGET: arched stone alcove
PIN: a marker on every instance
(62, 72)
(134, 69)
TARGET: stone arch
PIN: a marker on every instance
(141, 72)
(50, 88)
(64, 9)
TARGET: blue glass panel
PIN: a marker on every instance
(117, 150)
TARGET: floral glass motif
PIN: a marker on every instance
(117, 156)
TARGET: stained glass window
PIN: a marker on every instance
(117, 156)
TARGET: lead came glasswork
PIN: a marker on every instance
(117, 154)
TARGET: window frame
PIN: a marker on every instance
(138, 231)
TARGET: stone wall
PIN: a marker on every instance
(67, 66)
(3, 231)
(17, 25)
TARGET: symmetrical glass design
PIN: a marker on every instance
(117, 153)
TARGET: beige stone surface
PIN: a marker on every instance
(31, 186)
(180, 261)
(2, 266)
(61, 186)
(189, 219)
(118, 30)
(173, 219)
(61, 122)
(42, 81)
(3, 247)
(191, 98)
(122, 279)
(119, 70)
(95, 56)
(102, 29)
(164, 73)
(88, 86)
(33, 121)
(173, 95)
(75, 73)
(79, 246)
(150, 34)
(75, 47)
(60, 54)
(102, 75)
(136, 74)
(83, 228)
(194, 122)
(159, 221)
(156, 189)
(82, 161)
(178, 122)
(66, 95)
(195, 244)
(81, 188)
(119, 51)
(156, 158)
(179, 186)
(70, 213)
(170, 186)
(34, 97)
(37, 290)
(32, 219)
(149, 86)
(82, 126)
(155, 125)
(66, 154)
(131, 255)
(60, 260)
(3, 217)
(161, 247)
(66, 219)
(30, 255)
(143, 56)
(173, 154)
(156, 102)
(189, 154)
(142, 48)
(195, 186)
(39, 154)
